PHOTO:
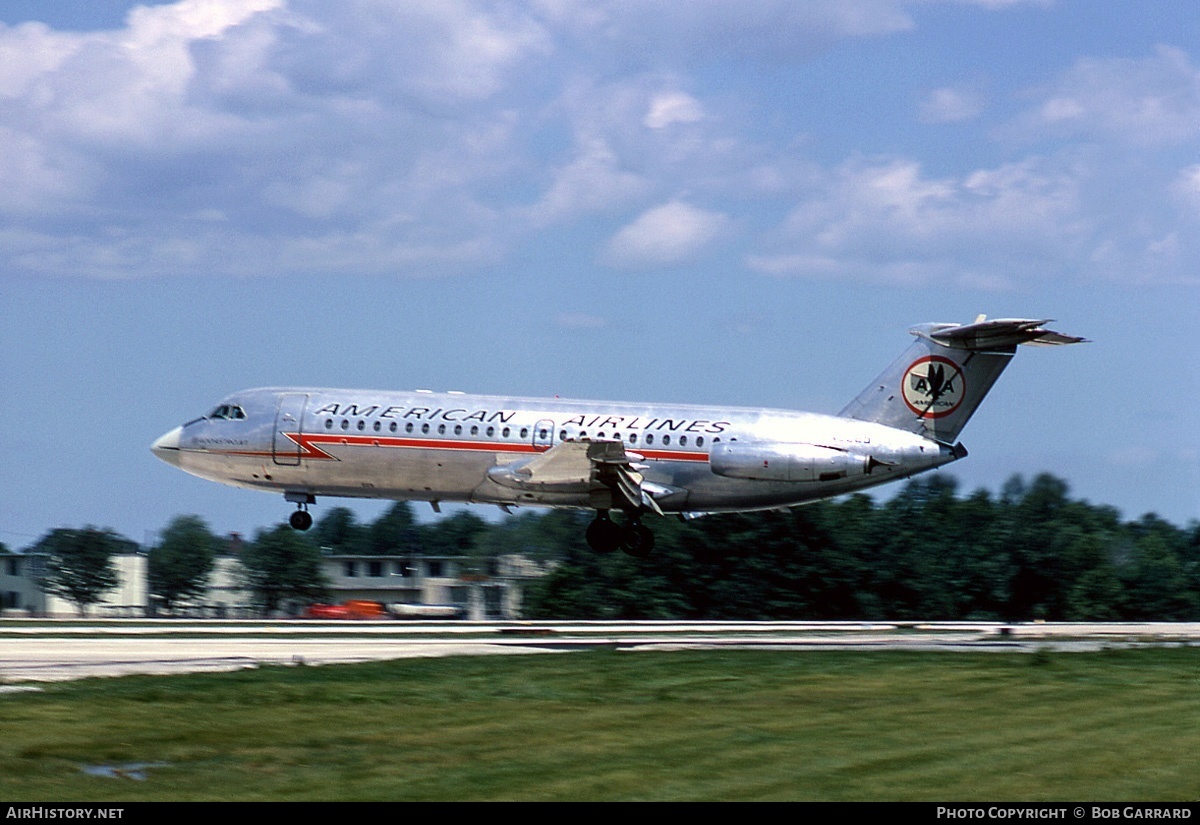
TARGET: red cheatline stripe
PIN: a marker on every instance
(308, 446)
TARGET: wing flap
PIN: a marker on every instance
(582, 467)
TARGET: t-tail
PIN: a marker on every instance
(935, 386)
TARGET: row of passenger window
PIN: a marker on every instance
(409, 427)
(506, 432)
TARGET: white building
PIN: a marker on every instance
(416, 581)
(20, 593)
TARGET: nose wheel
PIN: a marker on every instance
(301, 519)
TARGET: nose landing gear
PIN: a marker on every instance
(301, 519)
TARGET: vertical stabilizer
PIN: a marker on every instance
(936, 385)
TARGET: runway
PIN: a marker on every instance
(34, 651)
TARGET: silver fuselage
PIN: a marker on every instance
(441, 447)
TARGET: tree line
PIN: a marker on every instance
(1028, 552)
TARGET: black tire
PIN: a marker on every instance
(300, 520)
(637, 540)
(603, 535)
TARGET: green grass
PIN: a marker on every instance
(1119, 725)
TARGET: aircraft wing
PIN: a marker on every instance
(581, 467)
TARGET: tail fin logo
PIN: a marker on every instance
(933, 386)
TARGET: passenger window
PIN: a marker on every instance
(524, 432)
(683, 440)
(425, 428)
(362, 425)
(392, 427)
(475, 430)
(329, 423)
(491, 431)
(378, 425)
(345, 424)
(505, 432)
(666, 439)
(700, 441)
(650, 438)
(441, 429)
(458, 429)
(408, 428)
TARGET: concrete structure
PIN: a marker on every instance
(21, 593)
(450, 582)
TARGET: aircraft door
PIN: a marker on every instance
(543, 435)
(289, 418)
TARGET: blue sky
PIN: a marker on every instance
(706, 202)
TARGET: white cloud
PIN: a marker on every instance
(665, 236)
(1151, 101)
(673, 107)
(592, 182)
(951, 105)
(883, 219)
(1186, 187)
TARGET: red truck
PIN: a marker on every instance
(352, 609)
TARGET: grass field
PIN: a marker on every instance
(606, 725)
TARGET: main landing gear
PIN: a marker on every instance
(604, 535)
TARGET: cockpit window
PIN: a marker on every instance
(227, 412)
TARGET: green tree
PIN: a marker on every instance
(339, 532)
(79, 565)
(282, 566)
(181, 562)
(395, 533)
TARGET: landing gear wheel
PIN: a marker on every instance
(637, 540)
(603, 534)
(300, 520)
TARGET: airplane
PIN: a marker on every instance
(603, 455)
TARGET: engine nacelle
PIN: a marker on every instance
(780, 461)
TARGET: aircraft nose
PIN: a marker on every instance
(167, 446)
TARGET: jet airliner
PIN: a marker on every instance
(603, 455)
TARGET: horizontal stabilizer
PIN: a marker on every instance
(1001, 333)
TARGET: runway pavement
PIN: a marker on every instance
(46, 651)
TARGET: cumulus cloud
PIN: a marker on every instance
(666, 235)
(591, 182)
(884, 219)
(1146, 101)
(951, 105)
(242, 136)
(673, 107)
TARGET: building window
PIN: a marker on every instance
(435, 569)
(350, 570)
(375, 569)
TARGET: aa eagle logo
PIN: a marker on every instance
(933, 386)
